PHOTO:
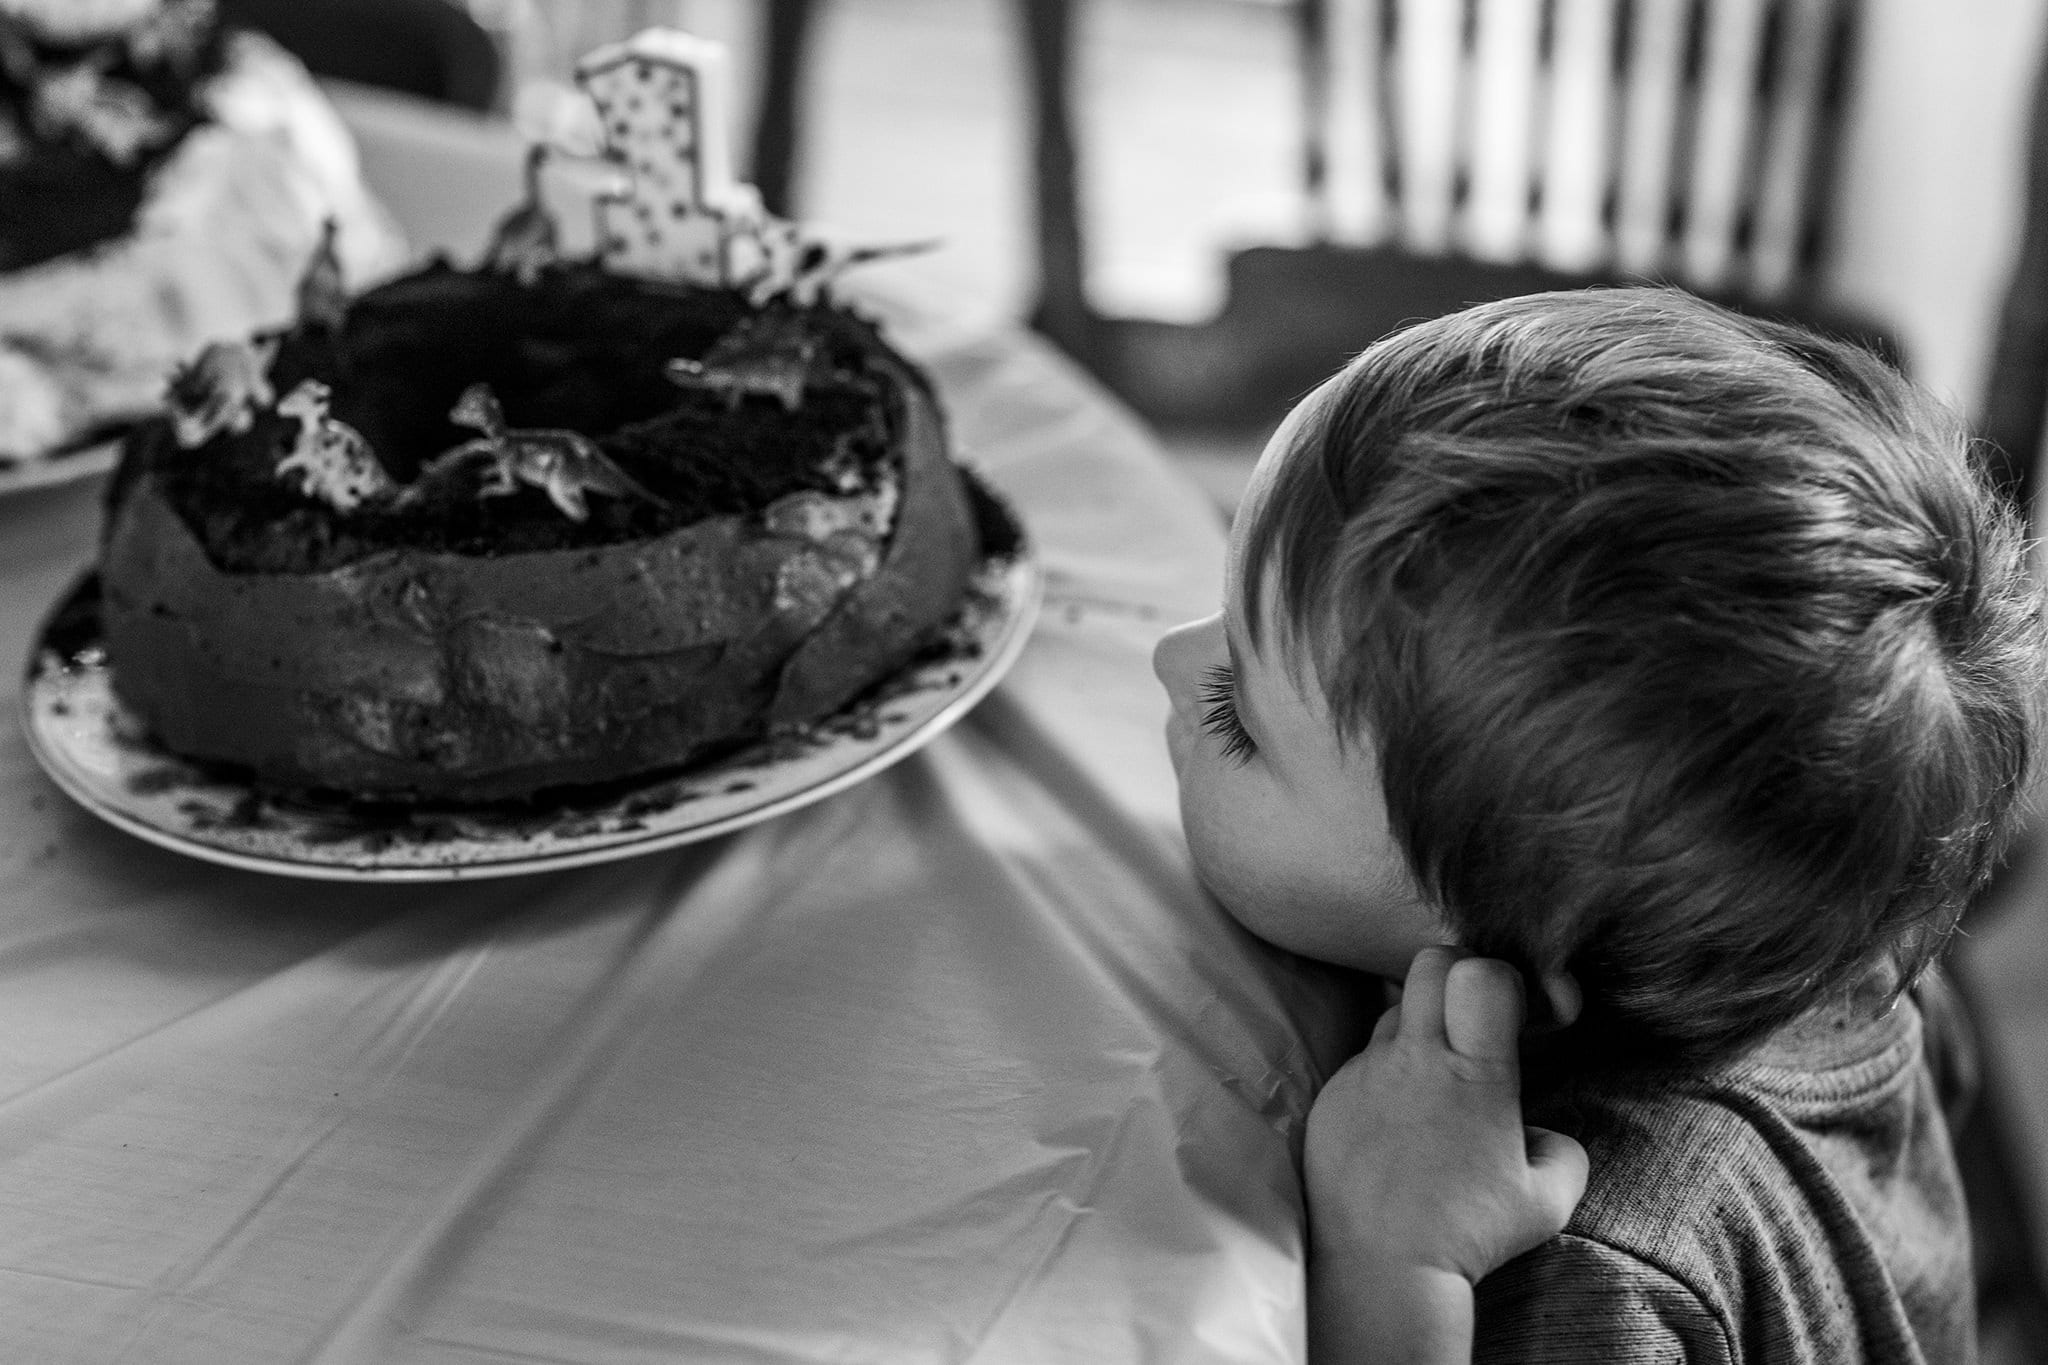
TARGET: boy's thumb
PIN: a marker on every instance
(1483, 1008)
(1557, 1174)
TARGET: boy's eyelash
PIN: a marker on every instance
(1219, 713)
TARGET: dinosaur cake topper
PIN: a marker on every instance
(220, 390)
(330, 460)
(676, 213)
(561, 463)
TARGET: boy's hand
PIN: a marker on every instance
(1418, 1164)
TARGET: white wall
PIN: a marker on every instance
(1932, 176)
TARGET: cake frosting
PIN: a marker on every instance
(480, 533)
(434, 640)
(162, 184)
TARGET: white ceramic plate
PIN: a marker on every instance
(96, 750)
(78, 463)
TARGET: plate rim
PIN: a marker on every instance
(1021, 591)
(59, 467)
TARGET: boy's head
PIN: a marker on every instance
(1681, 651)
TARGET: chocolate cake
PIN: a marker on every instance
(162, 181)
(482, 535)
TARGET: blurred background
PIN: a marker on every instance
(1191, 117)
(915, 118)
(1208, 203)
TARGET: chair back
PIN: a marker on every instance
(1674, 139)
(1458, 152)
(1453, 151)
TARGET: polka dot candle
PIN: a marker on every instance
(663, 99)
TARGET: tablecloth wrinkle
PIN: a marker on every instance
(1065, 1213)
(668, 938)
(958, 1064)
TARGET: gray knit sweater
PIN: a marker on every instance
(1800, 1206)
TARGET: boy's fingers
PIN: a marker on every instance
(1557, 1172)
(1483, 1008)
(1422, 994)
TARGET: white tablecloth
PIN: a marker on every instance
(957, 1064)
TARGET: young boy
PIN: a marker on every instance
(1685, 657)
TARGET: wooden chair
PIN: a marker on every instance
(1456, 153)
(1689, 141)
(1046, 29)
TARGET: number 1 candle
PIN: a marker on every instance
(663, 98)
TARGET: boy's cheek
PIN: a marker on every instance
(1210, 846)
(1177, 744)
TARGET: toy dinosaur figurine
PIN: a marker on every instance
(219, 390)
(563, 464)
(771, 354)
(323, 291)
(807, 278)
(330, 458)
(527, 239)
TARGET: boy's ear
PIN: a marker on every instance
(1556, 1005)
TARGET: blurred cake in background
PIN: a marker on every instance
(162, 183)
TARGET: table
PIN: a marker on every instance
(958, 1064)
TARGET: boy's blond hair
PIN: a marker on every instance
(1698, 658)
